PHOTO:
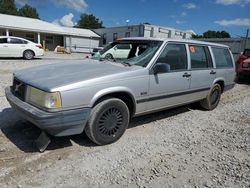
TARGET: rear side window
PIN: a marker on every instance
(175, 56)
(222, 57)
(3, 40)
(15, 41)
(199, 56)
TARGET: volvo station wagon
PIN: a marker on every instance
(101, 95)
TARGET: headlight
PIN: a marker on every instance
(43, 99)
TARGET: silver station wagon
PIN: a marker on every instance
(101, 95)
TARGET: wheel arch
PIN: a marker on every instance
(221, 82)
(29, 50)
(122, 93)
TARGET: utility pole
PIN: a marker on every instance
(246, 38)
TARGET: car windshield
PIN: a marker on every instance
(129, 52)
(247, 52)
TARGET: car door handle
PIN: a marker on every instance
(213, 72)
(5, 46)
(187, 75)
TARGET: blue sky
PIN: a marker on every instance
(197, 15)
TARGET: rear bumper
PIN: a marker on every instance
(39, 52)
(62, 123)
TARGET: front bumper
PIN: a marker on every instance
(62, 123)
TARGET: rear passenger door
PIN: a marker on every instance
(16, 47)
(170, 88)
(203, 73)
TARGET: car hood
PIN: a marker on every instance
(48, 77)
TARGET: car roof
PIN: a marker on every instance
(175, 40)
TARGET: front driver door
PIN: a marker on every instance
(170, 88)
(4, 48)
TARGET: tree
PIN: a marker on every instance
(8, 7)
(89, 21)
(213, 34)
(28, 11)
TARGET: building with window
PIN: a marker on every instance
(48, 34)
(142, 30)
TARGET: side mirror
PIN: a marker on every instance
(161, 68)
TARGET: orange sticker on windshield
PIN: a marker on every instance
(192, 49)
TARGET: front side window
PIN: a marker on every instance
(175, 56)
(198, 57)
(222, 57)
(3, 40)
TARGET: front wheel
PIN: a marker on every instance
(213, 98)
(108, 121)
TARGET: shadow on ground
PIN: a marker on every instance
(23, 134)
(18, 58)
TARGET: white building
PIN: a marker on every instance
(143, 30)
(73, 39)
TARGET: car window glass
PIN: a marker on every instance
(3, 40)
(123, 46)
(15, 41)
(198, 57)
(175, 56)
(222, 57)
(247, 52)
(25, 42)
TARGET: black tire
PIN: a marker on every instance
(109, 56)
(28, 54)
(213, 98)
(108, 121)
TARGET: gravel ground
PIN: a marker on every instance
(182, 147)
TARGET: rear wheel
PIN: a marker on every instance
(28, 54)
(108, 121)
(213, 98)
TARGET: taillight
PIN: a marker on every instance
(39, 46)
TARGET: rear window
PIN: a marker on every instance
(222, 57)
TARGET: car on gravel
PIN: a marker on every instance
(19, 47)
(243, 66)
(101, 95)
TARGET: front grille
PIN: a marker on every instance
(19, 89)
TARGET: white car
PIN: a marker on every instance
(117, 51)
(19, 47)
